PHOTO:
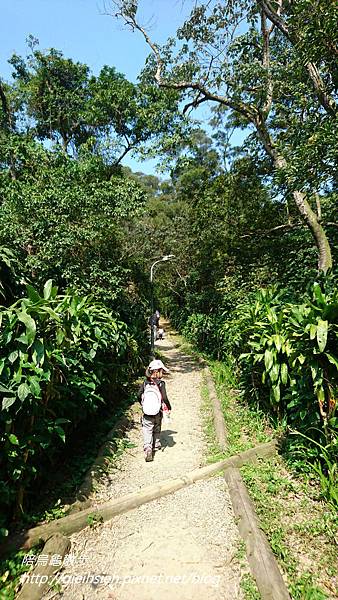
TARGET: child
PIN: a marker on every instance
(160, 333)
(151, 391)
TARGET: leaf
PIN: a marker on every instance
(316, 372)
(13, 356)
(257, 358)
(23, 391)
(32, 294)
(47, 289)
(268, 359)
(25, 318)
(318, 294)
(38, 353)
(274, 373)
(51, 312)
(322, 330)
(60, 433)
(4, 389)
(284, 373)
(313, 331)
(13, 439)
(276, 392)
(98, 332)
(332, 359)
(320, 394)
(278, 341)
(7, 402)
(23, 339)
(60, 336)
(34, 387)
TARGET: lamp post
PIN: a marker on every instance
(163, 259)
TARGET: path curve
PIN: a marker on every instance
(183, 545)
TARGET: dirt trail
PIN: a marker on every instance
(182, 545)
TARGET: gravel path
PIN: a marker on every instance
(182, 545)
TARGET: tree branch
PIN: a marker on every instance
(325, 99)
(248, 111)
(276, 229)
(266, 32)
(124, 153)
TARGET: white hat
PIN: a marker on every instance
(155, 365)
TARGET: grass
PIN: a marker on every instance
(213, 451)
(300, 527)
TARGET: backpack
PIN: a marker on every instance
(151, 400)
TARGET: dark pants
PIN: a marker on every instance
(151, 427)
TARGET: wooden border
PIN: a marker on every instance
(262, 561)
(106, 511)
(40, 578)
(219, 423)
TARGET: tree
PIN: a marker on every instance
(62, 102)
(129, 116)
(311, 29)
(54, 90)
(245, 71)
(68, 220)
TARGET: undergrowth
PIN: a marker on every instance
(57, 493)
(300, 526)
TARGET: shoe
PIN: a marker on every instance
(157, 447)
(149, 455)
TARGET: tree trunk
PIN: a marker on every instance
(317, 231)
(308, 215)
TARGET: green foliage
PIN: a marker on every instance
(80, 224)
(11, 570)
(54, 90)
(61, 355)
(320, 462)
(10, 272)
(288, 356)
(205, 331)
(60, 101)
(293, 356)
(297, 523)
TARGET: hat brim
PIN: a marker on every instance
(157, 367)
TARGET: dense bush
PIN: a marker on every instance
(62, 356)
(287, 353)
(293, 356)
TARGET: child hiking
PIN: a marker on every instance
(153, 397)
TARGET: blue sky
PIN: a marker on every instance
(81, 30)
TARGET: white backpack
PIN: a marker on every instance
(151, 400)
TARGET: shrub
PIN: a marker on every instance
(60, 357)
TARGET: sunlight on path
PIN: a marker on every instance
(183, 545)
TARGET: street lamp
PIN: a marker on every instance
(163, 259)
